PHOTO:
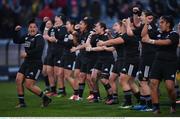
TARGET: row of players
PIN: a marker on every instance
(85, 52)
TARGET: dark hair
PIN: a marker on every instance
(168, 19)
(148, 13)
(138, 12)
(72, 22)
(32, 21)
(52, 21)
(103, 25)
(62, 17)
(89, 23)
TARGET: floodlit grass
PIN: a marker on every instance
(62, 107)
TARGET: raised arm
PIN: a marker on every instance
(17, 38)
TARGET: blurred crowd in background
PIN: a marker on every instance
(13, 12)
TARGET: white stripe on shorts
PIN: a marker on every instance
(37, 74)
(146, 71)
(130, 70)
(111, 68)
(73, 67)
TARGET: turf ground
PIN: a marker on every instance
(62, 107)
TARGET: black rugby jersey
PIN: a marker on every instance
(59, 33)
(68, 44)
(104, 55)
(119, 48)
(131, 47)
(168, 52)
(33, 45)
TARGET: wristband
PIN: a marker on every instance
(151, 41)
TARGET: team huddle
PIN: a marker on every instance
(88, 52)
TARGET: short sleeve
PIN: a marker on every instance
(174, 37)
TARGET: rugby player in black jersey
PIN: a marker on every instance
(131, 61)
(165, 64)
(55, 71)
(68, 57)
(46, 25)
(104, 62)
(178, 71)
(32, 65)
(82, 59)
(118, 65)
(147, 58)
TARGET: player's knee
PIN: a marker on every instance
(111, 81)
(50, 72)
(123, 79)
(19, 80)
(93, 76)
(67, 75)
(88, 78)
(28, 85)
(59, 74)
(170, 88)
(44, 72)
(76, 74)
(112, 78)
(82, 76)
(144, 84)
(153, 85)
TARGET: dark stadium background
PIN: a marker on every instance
(13, 12)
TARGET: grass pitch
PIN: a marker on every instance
(62, 107)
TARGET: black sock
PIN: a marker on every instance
(98, 94)
(53, 89)
(107, 87)
(46, 80)
(90, 92)
(21, 99)
(76, 92)
(109, 97)
(115, 96)
(61, 90)
(156, 106)
(43, 96)
(137, 95)
(148, 101)
(64, 89)
(128, 97)
(173, 104)
(142, 100)
(95, 93)
(177, 90)
(81, 89)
